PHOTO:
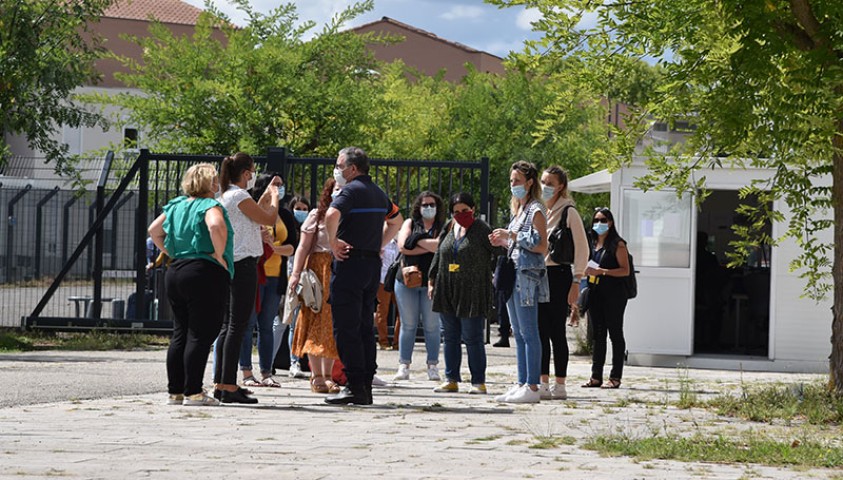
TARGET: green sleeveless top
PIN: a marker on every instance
(187, 232)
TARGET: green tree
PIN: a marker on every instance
(227, 88)
(46, 51)
(762, 82)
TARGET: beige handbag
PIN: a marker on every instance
(412, 276)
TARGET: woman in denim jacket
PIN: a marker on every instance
(526, 240)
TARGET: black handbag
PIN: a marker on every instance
(391, 274)
(561, 241)
(504, 278)
(582, 301)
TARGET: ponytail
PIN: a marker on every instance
(232, 168)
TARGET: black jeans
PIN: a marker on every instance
(197, 291)
(241, 302)
(354, 290)
(606, 309)
(552, 316)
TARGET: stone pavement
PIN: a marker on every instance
(102, 415)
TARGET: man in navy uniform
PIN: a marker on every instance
(359, 222)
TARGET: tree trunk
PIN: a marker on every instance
(836, 359)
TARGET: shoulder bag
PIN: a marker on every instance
(561, 241)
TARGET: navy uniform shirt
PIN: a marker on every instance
(364, 206)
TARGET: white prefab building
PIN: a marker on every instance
(693, 311)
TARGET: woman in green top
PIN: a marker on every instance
(195, 232)
(461, 288)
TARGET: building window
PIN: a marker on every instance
(657, 226)
(72, 137)
(660, 127)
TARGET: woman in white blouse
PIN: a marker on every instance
(237, 175)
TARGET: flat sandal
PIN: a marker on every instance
(592, 383)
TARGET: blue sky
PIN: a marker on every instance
(470, 22)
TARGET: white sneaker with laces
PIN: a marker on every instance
(544, 392)
(403, 372)
(511, 391)
(558, 391)
(524, 395)
(175, 399)
(433, 373)
(378, 382)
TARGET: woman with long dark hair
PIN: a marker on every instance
(314, 332)
(237, 176)
(563, 282)
(418, 240)
(281, 239)
(526, 241)
(607, 297)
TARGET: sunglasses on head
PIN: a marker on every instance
(601, 220)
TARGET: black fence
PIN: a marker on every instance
(79, 260)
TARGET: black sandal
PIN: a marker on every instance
(592, 383)
(613, 383)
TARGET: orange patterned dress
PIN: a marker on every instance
(315, 331)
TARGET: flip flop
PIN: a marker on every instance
(270, 382)
(251, 381)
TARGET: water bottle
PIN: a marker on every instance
(155, 309)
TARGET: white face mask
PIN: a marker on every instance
(428, 213)
(338, 177)
(547, 192)
(250, 184)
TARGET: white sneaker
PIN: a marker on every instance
(403, 372)
(200, 400)
(544, 392)
(524, 395)
(433, 373)
(558, 391)
(296, 371)
(511, 391)
(378, 382)
(175, 399)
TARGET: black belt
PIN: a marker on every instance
(363, 253)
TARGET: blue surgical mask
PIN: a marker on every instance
(428, 213)
(547, 192)
(335, 193)
(281, 191)
(301, 215)
(518, 191)
(600, 228)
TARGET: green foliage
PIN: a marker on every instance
(813, 402)
(46, 51)
(751, 448)
(15, 340)
(226, 89)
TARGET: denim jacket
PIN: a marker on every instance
(531, 272)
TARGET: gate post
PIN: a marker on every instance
(140, 233)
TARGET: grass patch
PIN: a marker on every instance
(813, 403)
(543, 443)
(12, 340)
(751, 449)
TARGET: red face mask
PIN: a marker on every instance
(465, 219)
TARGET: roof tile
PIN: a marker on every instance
(165, 11)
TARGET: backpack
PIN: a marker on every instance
(561, 241)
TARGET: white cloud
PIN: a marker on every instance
(501, 48)
(462, 12)
(526, 17)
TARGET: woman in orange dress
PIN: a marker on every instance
(314, 334)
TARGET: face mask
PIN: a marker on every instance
(281, 191)
(428, 213)
(251, 183)
(600, 228)
(547, 192)
(218, 191)
(465, 219)
(301, 215)
(339, 178)
(518, 191)
(335, 194)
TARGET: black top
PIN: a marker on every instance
(363, 206)
(607, 258)
(289, 220)
(423, 261)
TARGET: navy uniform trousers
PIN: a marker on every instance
(354, 290)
